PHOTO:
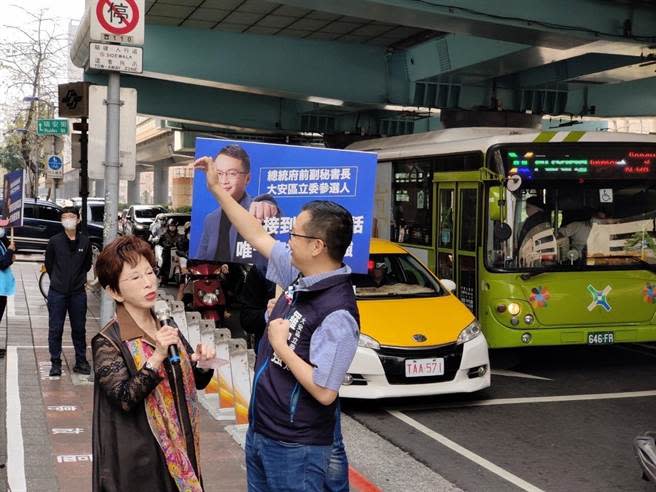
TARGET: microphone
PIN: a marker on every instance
(163, 315)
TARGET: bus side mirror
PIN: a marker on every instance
(502, 231)
(495, 203)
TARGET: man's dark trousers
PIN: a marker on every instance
(76, 305)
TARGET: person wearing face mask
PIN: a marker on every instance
(68, 259)
(7, 281)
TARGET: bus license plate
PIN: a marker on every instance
(424, 367)
(601, 338)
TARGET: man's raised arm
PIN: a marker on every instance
(248, 226)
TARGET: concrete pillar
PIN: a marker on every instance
(134, 189)
(161, 185)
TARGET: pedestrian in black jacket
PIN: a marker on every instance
(68, 259)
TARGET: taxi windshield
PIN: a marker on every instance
(395, 276)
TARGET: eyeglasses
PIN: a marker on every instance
(293, 234)
(231, 174)
(149, 274)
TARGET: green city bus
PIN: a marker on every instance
(549, 236)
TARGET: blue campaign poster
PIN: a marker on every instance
(13, 198)
(288, 176)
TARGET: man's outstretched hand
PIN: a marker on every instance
(207, 164)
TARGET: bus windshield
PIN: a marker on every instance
(578, 208)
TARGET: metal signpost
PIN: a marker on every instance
(121, 23)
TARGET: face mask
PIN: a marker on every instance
(2, 232)
(69, 224)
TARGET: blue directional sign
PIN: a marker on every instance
(54, 162)
(55, 167)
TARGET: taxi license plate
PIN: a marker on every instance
(601, 338)
(424, 367)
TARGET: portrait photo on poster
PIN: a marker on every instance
(273, 182)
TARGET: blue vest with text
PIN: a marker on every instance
(281, 408)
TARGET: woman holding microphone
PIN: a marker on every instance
(145, 414)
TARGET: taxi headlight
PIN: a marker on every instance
(366, 341)
(470, 332)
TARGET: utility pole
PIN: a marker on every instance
(112, 164)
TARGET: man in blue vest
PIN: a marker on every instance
(308, 346)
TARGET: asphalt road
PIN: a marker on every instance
(572, 429)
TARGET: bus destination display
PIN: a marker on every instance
(584, 162)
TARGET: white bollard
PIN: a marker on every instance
(207, 327)
(193, 328)
(240, 379)
(252, 356)
(178, 312)
(223, 375)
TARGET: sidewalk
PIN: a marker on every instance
(48, 420)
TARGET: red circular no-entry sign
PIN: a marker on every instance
(118, 16)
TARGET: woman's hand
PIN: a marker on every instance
(203, 352)
(164, 337)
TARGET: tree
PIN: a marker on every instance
(11, 157)
(31, 57)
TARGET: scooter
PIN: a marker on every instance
(207, 291)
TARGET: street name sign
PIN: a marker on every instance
(52, 127)
(116, 57)
(117, 21)
(98, 132)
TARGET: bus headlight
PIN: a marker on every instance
(366, 341)
(513, 308)
(470, 332)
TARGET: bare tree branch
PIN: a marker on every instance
(31, 57)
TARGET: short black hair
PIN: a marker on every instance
(237, 152)
(332, 223)
(71, 210)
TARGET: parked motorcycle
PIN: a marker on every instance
(208, 297)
